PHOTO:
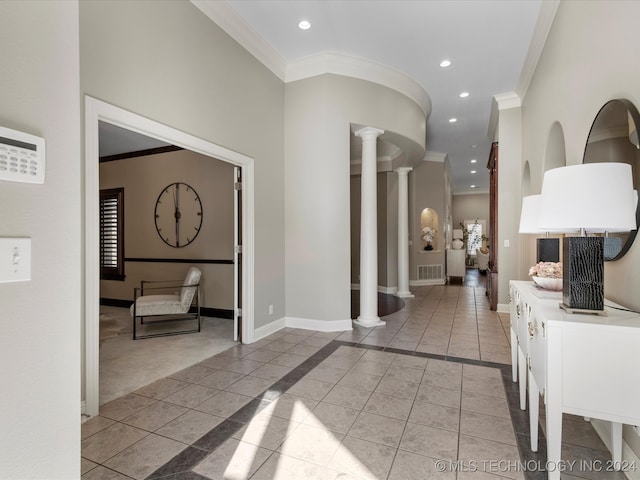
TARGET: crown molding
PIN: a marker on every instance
(237, 28)
(502, 101)
(348, 65)
(546, 15)
(325, 62)
(508, 100)
(435, 157)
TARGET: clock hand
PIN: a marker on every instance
(176, 199)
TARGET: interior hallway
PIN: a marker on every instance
(392, 403)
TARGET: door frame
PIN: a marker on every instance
(96, 111)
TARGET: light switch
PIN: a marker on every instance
(15, 260)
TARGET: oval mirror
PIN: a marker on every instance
(614, 138)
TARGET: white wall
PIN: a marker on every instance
(40, 320)
(318, 115)
(590, 57)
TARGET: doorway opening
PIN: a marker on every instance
(97, 111)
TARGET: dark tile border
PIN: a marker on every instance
(179, 467)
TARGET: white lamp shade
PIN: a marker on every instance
(529, 214)
(457, 233)
(598, 197)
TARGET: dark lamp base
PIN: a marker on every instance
(548, 249)
(583, 273)
(583, 311)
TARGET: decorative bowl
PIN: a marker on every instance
(548, 283)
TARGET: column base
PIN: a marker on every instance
(406, 294)
(369, 322)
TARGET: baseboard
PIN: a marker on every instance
(422, 283)
(115, 302)
(503, 308)
(388, 290)
(304, 324)
(381, 289)
(216, 312)
(629, 457)
(204, 311)
(268, 329)
(319, 325)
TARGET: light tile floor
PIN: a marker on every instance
(427, 396)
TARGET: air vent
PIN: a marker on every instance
(430, 272)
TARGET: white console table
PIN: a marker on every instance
(586, 365)
(455, 264)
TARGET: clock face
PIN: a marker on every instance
(178, 215)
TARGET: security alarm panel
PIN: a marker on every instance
(21, 157)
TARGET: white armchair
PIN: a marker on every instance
(166, 304)
(483, 260)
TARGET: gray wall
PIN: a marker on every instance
(143, 179)
(318, 118)
(470, 207)
(169, 62)
(426, 190)
(40, 321)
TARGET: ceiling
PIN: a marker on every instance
(491, 46)
(486, 41)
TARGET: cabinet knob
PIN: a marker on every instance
(531, 328)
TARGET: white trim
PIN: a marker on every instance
(269, 329)
(422, 283)
(237, 28)
(381, 289)
(546, 15)
(435, 157)
(95, 111)
(476, 191)
(348, 65)
(503, 308)
(508, 100)
(319, 325)
(388, 290)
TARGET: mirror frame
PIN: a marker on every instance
(635, 116)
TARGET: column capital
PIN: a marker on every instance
(403, 170)
(370, 132)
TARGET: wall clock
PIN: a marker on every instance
(178, 215)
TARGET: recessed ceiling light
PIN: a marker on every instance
(464, 94)
(472, 186)
(474, 146)
(474, 171)
(304, 25)
(445, 63)
(474, 160)
(453, 120)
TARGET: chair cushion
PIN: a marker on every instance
(187, 293)
(148, 305)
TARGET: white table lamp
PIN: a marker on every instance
(590, 198)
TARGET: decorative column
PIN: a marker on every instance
(369, 230)
(403, 232)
